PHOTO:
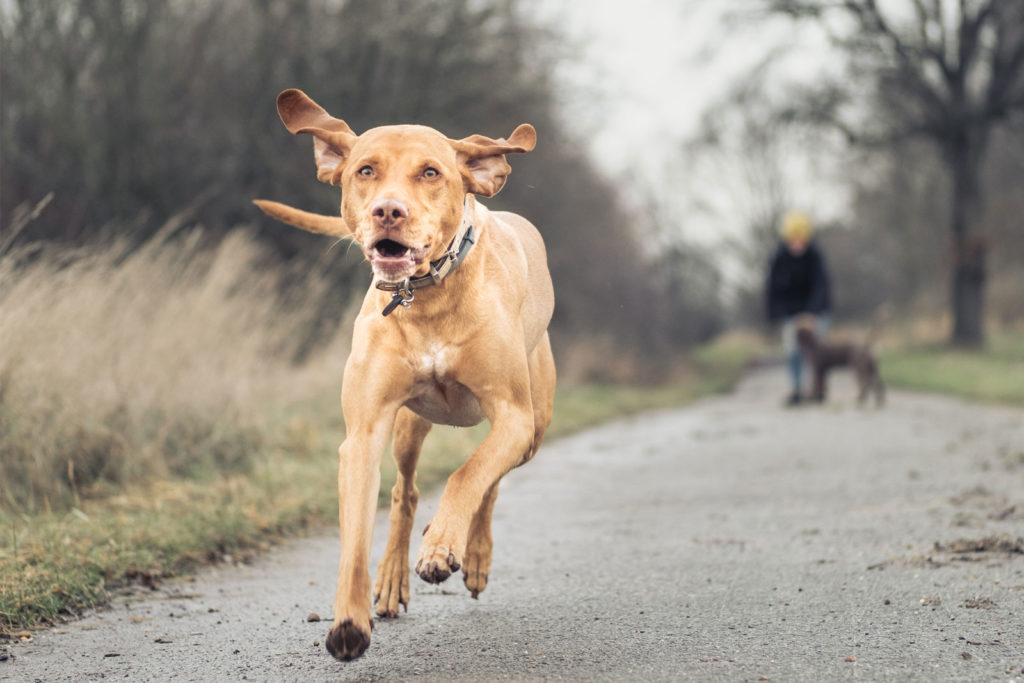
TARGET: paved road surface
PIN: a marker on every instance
(732, 541)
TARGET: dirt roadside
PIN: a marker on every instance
(732, 540)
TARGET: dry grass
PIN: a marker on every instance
(150, 413)
(123, 364)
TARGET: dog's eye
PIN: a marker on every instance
(431, 173)
(366, 170)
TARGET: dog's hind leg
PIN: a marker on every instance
(865, 383)
(542, 391)
(820, 390)
(477, 563)
(391, 587)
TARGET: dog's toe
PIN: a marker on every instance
(436, 567)
(475, 582)
(392, 587)
(475, 567)
(347, 641)
(432, 572)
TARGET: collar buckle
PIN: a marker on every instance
(403, 296)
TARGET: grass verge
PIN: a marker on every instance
(55, 564)
(995, 375)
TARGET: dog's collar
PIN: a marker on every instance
(439, 269)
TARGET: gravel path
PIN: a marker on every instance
(733, 540)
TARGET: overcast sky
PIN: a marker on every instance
(648, 70)
(644, 61)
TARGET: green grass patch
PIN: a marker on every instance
(995, 374)
(54, 564)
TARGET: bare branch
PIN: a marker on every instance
(876, 30)
(1006, 89)
(931, 15)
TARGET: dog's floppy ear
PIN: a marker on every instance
(332, 138)
(482, 160)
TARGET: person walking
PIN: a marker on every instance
(798, 285)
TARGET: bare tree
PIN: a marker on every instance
(947, 71)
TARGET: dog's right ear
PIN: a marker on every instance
(332, 138)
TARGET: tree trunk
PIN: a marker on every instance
(969, 295)
(969, 248)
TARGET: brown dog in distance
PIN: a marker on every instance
(824, 356)
(453, 331)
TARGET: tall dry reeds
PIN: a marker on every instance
(125, 363)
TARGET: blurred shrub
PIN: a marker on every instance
(122, 363)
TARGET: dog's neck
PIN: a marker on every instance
(460, 246)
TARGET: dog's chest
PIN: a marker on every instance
(434, 361)
(438, 396)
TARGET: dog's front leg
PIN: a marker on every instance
(507, 444)
(358, 483)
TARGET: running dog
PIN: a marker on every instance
(453, 331)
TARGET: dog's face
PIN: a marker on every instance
(402, 198)
(403, 187)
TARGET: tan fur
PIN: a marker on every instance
(473, 347)
(313, 222)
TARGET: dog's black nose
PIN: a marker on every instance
(389, 212)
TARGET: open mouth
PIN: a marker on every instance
(390, 249)
(393, 260)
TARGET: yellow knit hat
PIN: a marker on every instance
(796, 226)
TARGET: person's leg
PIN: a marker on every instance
(794, 359)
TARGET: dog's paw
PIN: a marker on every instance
(436, 564)
(346, 641)
(475, 579)
(475, 568)
(391, 588)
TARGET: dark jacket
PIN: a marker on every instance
(797, 284)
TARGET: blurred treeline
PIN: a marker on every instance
(134, 111)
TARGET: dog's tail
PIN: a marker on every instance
(882, 314)
(313, 222)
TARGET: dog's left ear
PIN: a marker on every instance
(482, 160)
